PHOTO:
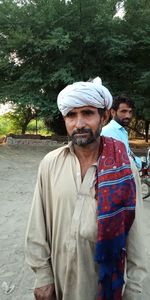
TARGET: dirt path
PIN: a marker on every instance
(18, 170)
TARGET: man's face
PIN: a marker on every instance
(123, 114)
(83, 125)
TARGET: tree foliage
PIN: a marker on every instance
(21, 115)
(47, 44)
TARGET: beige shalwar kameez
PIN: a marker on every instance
(62, 231)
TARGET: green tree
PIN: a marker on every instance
(45, 45)
(129, 56)
(139, 20)
(21, 115)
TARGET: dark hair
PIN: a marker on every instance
(117, 100)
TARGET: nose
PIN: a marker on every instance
(128, 115)
(80, 123)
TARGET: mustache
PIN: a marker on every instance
(126, 119)
(81, 131)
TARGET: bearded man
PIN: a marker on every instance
(84, 238)
(122, 113)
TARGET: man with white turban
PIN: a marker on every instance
(83, 221)
(84, 93)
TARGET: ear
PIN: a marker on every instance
(113, 112)
(105, 117)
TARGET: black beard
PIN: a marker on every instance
(122, 122)
(81, 140)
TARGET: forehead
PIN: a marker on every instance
(84, 108)
(124, 106)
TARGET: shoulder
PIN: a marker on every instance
(111, 128)
(55, 153)
(54, 156)
(116, 143)
(114, 147)
(108, 126)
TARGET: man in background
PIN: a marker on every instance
(121, 112)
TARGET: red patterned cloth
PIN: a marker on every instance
(116, 195)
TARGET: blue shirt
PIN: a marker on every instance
(118, 132)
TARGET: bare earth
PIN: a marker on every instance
(18, 170)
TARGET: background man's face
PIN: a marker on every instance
(83, 125)
(123, 115)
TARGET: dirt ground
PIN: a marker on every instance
(18, 170)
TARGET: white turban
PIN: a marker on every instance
(81, 94)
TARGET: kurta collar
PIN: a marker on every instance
(69, 148)
(117, 125)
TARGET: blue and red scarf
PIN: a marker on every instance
(116, 195)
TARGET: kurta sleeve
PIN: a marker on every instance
(136, 257)
(37, 245)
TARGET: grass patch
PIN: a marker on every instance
(8, 126)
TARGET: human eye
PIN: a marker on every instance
(88, 112)
(70, 114)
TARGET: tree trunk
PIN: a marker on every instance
(24, 127)
(27, 118)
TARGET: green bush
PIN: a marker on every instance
(8, 125)
(41, 129)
